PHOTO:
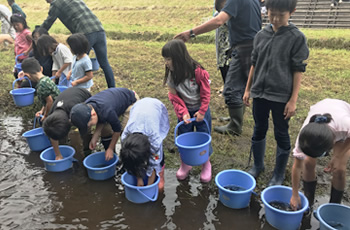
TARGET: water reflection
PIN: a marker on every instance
(31, 198)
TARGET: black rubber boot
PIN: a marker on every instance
(105, 142)
(234, 127)
(309, 191)
(282, 157)
(336, 196)
(258, 149)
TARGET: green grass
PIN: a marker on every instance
(136, 32)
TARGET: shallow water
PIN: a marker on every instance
(31, 198)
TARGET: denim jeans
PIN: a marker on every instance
(200, 126)
(97, 40)
(261, 112)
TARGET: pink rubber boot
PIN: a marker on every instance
(206, 172)
(183, 171)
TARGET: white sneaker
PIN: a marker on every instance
(340, 1)
(332, 5)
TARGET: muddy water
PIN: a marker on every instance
(31, 198)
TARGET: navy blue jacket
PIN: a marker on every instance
(110, 104)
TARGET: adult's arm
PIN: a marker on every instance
(51, 18)
(210, 25)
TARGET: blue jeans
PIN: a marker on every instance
(97, 40)
(261, 112)
(200, 126)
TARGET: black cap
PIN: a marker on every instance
(80, 116)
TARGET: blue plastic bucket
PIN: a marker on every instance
(36, 138)
(22, 96)
(138, 194)
(62, 88)
(193, 146)
(280, 219)
(98, 168)
(18, 65)
(95, 64)
(48, 157)
(333, 216)
(238, 178)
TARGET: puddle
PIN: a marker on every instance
(31, 198)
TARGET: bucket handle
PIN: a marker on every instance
(19, 79)
(36, 118)
(16, 58)
(151, 199)
(192, 119)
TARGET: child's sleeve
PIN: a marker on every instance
(300, 52)
(202, 79)
(179, 105)
(254, 55)
(88, 65)
(66, 54)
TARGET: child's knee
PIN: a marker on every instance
(339, 173)
(309, 165)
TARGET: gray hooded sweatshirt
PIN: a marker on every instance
(276, 56)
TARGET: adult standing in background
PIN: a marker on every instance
(16, 9)
(8, 33)
(78, 18)
(244, 21)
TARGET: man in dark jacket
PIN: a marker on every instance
(78, 18)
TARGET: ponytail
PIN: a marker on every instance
(320, 119)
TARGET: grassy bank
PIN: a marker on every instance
(136, 32)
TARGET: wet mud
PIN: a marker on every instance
(32, 198)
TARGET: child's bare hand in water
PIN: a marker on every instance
(59, 157)
(140, 182)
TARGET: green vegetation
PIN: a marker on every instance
(136, 32)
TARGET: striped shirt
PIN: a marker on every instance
(75, 15)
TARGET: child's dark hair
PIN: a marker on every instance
(40, 31)
(219, 4)
(78, 43)
(183, 63)
(57, 125)
(10, 1)
(316, 138)
(45, 44)
(19, 19)
(31, 65)
(135, 153)
(281, 5)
